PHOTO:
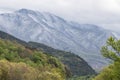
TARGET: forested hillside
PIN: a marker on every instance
(74, 64)
(20, 63)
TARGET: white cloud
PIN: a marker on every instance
(101, 12)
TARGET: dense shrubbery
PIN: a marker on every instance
(16, 71)
(110, 73)
(20, 63)
(87, 77)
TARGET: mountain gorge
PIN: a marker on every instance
(84, 40)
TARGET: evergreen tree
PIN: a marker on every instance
(111, 51)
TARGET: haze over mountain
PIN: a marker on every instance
(84, 40)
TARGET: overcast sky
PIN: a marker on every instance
(105, 13)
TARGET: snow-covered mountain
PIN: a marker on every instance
(82, 39)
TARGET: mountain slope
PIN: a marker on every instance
(84, 40)
(74, 64)
(7, 36)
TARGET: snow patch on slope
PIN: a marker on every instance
(116, 35)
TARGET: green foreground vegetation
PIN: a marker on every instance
(87, 77)
(20, 63)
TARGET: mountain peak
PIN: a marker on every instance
(25, 11)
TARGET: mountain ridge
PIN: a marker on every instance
(84, 40)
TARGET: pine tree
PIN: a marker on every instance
(111, 51)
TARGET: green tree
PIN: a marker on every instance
(111, 51)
